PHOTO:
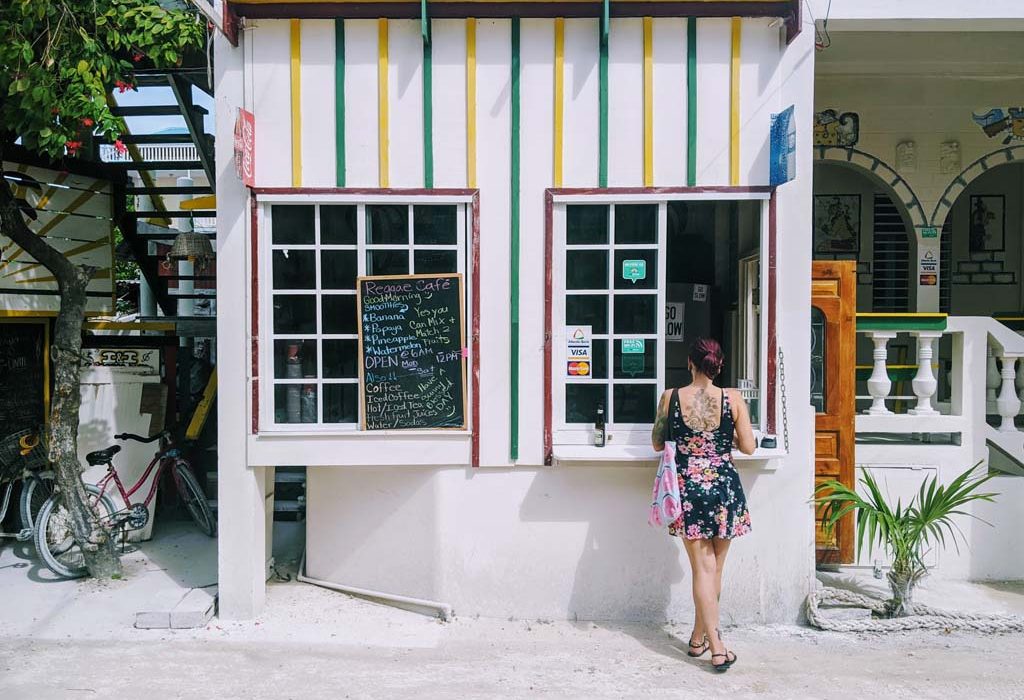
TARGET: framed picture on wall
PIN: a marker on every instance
(837, 224)
(987, 224)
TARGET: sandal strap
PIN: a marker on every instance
(699, 645)
(726, 654)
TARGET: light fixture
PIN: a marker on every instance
(191, 246)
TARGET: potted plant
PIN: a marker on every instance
(908, 532)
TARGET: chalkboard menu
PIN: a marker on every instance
(412, 367)
(23, 376)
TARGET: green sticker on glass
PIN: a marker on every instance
(929, 232)
(633, 365)
(632, 346)
(634, 270)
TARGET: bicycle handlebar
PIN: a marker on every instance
(139, 438)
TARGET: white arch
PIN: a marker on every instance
(881, 170)
(1002, 156)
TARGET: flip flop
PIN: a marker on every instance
(725, 665)
(703, 646)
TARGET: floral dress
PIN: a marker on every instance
(709, 486)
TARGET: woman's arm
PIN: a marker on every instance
(660, 422)
(745, 441)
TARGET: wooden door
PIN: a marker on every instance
(833, 371)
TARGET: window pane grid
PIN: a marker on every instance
(333, 363)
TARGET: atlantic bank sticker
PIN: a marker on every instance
(578, 349)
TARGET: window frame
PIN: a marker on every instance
(467, 247)
(633, 440)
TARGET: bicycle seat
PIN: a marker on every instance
(102, 456)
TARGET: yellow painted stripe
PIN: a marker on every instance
(84, 248)
(208, 201)
(648, 102)
(382, 101)
(45, 199)
(470, 102)
(56, 220)
(559, 99)
(296, 77)
(98, 275)
(18, 313)
(129, 325)
(734, 104)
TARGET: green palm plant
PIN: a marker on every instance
(908, 532)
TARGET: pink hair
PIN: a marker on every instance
(706, 356)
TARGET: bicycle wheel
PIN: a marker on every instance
(34, 491)
(54, 542)
(195, 499)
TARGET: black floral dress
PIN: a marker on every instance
(709, 486)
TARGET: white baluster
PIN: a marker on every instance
(1008, 403)
(924, 382)
(879, 384)
(1020, 380)
(992, 379)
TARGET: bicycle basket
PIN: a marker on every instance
(25, 449)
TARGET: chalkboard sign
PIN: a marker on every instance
(23, 376)
(412, 368)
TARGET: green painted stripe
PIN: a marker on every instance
(339, 99)
(901, 322)
(514, 251)
(691, 101)
(602, 158)
(428, 107)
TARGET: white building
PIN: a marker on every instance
(577, 172)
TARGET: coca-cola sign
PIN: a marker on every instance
(245, 147)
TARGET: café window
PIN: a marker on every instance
(634, 282)
(309, 325)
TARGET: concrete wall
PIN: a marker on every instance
(511, 539)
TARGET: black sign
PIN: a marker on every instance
(412, 367)
(22, 376)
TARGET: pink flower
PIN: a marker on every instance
(87, 121)
(72, 146)
(122, 86)
(693, 532)
(120, 147)
(687, 506)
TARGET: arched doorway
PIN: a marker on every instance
(856, 189)
(983, 237)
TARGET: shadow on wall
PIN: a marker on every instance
(995, 550)
(626, 569)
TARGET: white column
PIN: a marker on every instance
(992, 378)
(879, 384)
(241, 487)
(924, 382)
(1008, 403)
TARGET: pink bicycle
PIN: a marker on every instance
(53, 536)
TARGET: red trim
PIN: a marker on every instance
(474, 282)
(230, 20)
(549, 197)
(566, 191)
(255, 310)
(398, 191)
(475, 326)
(770, 390)
(549, 233)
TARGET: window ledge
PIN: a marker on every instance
(644, 456)
(379, 448)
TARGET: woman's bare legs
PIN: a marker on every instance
(707, 561)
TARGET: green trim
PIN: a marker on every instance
(691, 101)
(901, 322)
(602, 110)
(514, 252)
(428, 106)
(339, 100)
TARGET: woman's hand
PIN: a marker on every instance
(743, 435)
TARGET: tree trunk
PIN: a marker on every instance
(97, 547)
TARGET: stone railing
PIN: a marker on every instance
(982, 378)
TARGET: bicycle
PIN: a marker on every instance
(53, 537)
(23, 457)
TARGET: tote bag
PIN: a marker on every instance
(666, 505)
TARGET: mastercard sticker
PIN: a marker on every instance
(578, 369)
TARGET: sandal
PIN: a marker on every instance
(702, 645)
(725, 665)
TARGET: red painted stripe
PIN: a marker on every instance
(411, 191)
(475, 324)
(566, 191)
(549, 205)
(773, 342)
(255, 310)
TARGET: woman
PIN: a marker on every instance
(704, 422)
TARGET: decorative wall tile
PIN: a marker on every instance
(961, 279)
(1005, 278)
(992, 266)
(981, 278)
(967, 267)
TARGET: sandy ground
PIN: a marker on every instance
(75, 640)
